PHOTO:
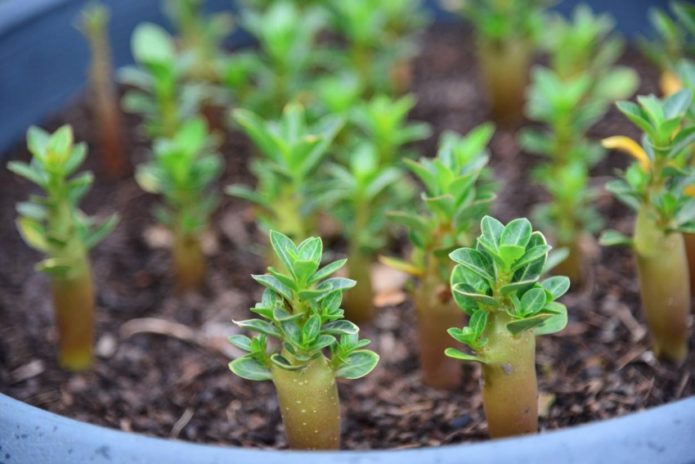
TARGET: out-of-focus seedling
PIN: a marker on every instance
(54, 225)
(497, 283)
(506, 33)
(655, 186)
(457, 194)
(291, 149)
(313, 345)
(675, 41)
(159, 95)
(181, 170)
(93, 23)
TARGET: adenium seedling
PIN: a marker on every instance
(93, 23)
(182, 170)
(497, 283)
(458, 192)
(54, 225)
(656, 187)
(312, 344)
(292, 150)
(160, 94)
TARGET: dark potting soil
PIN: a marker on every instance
(161, 366)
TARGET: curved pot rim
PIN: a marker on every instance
(663, 434)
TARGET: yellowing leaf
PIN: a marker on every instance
(629, 146)
(670, 83)
(690, 190)
(402, 266)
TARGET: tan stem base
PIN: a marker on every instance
(73, 298)
(359, 301)
(309, 406)
(510, 391)
(189, 263)
(573, 266)
(690, 251)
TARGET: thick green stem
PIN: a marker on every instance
(359, 301)
(664, 286)
(189, 262)
(436, 312)
(510, 391)
(73, 297)
(505, 72)
(309, 405)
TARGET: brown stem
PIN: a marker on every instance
(662, 269)
(402, 76)
(690, 251)
(505, 72)
(510, 391)
(436, 313)
(189, 262)
(73, 297)
(359, 301)
(309, 405)
(573, 265)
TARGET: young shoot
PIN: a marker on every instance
(457, 194)
(159, 92)
(506, 33)
(359, 196)
(54, 225)
(312, 345)
(675, 40)
(569, 99)
(655, 186)
(291, 150)
(384, 122)
(497, 283)
(181, 170)
(93, 23)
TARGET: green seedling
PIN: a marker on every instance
(457, 194)
(569, 99)
(93, 23)
(381, 39)
(497, 283)
(656, 187)
(54, 225)
(292, 149)
(288, 56)
(675, 41)
(159, 92)
(201, 37)
(312, 344)
(182, 170)
(506, 33)
(384, 122)
(359, 196)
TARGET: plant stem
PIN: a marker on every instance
(690, 251)
(309, 405)
(402, 76)
(505, 72)
(359, 302)
(510, 391)
(436, 312)
(573, 265)
(664, 286)
(73, 297)
(189, 262)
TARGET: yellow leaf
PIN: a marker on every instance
(629, 146)
(690, 190)
(402, 266)
(670, 83)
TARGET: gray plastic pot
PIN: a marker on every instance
(43, 63)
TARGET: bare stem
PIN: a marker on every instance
(690, 251)
(189, 262)
(664, 287)
(73, 297)
(505, 71)
(437, 312)
(359, 302)
(309, 405)
(573, 265)
(510, 391)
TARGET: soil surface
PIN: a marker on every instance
(162, 359)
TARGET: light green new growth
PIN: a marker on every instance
(313, 344)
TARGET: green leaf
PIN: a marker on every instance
(249, 368)
(492, 230)
(478, 322)
(533, 301)
(260, 326)
(516, 287)
(151, 44)
(54, 267)
(358, 364)
(327, 270)
(284, 363)
(458, 354)
(556, 321)
(340, 327)
(311, 328)
(403, 266)
(556, 285)
(284, 248)
(241, 341)
(614, 238)
(97, 234)
(510, 253)
(518, 326)
(28, 172)
(33, 233)
(474, 261)
(517, 232)
(467, 291)
(273, 284)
